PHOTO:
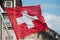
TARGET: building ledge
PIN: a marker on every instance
(9, 28)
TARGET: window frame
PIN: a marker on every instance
(7, 38)
(6, 3)
(7, 21)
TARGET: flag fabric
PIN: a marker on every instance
(26, 20)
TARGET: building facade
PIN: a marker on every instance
(11, 3)
(3, 33)
(0, 29)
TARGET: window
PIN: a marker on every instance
(8, 3)
(7, 20)
(7, 38)
(8, 24)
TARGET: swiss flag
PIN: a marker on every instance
(26, 20)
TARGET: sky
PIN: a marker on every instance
(50, 10)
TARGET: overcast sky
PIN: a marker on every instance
(50, 10)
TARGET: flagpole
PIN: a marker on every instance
(1, 11)
(15, 6)
(20, 2)
(16, 3)
(21, 5)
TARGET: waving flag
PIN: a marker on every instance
(26, 20)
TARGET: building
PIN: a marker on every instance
(3, 33)
(11, 3)
(0, 29)
(47, 35)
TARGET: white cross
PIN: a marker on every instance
(26, 19)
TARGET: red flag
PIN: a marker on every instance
(26, 20)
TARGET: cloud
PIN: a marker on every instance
(52, 21)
